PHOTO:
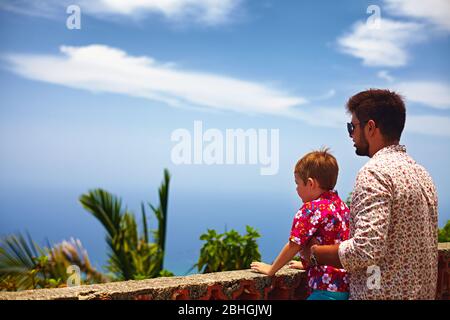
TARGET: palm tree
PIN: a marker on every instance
(161, 215)
(131, 256)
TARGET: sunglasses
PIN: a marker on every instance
(351, 127)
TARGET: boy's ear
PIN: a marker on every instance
(313, 183)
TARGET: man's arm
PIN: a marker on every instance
(327, 255)
(373, 197)
(368, 243)
(286, 254)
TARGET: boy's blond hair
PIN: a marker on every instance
(320, 165)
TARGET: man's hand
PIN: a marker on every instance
(306, 250)
(262, 267)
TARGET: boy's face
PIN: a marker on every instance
(304, 190)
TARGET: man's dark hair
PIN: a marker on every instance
(384, 107)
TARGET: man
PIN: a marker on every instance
(392, 250)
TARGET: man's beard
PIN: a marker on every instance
(362, 149)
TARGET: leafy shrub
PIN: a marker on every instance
(228, 251)
(444, 233)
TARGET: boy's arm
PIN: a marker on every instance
(286, 254)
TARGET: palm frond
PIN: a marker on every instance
(131, 255)
(25, 265)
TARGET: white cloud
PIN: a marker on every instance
(100, 68)
(210, 12)
(430, 93)
(329, 117)
(383, 46)
(388, 45)
(205, 11)
(436, 12)
(46, 9)
(428, 125)
(105, 69)
(328, 95)
(385, 75)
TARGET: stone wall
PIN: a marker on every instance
(443, 290)
(231, 285)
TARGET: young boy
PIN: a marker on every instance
(322, 218)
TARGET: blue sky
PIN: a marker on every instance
(96, 107)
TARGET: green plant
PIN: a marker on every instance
(161, 216)
(25, 265)
(228, 251)
(348, 201)
(132, 255)
(444, 233)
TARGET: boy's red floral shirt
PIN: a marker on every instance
(326, 219)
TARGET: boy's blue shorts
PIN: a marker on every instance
(327, 295)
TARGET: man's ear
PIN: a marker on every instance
(311, 182)
(371, 126)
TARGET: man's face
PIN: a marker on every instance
(359, 138)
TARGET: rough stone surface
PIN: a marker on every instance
(187, 287)
(229, 285)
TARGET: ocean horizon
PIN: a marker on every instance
(57, 215)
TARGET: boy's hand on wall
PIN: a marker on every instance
(262, 267)
(296, 265)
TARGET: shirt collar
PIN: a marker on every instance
(394, 148)
(328, 194)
